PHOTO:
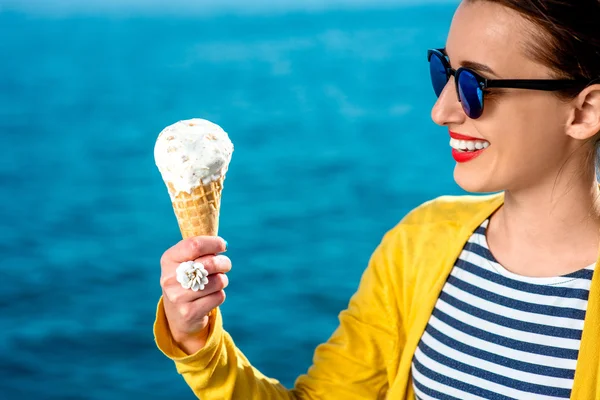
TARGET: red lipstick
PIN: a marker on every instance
(460, 136)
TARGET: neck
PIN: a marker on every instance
(550, 221)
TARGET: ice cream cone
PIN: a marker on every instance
(193, 157)
(198, 213)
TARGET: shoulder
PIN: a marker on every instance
(446, 215)
(452, 209)
(426, 241)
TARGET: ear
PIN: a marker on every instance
(584, 119)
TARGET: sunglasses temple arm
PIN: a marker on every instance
(535, 84)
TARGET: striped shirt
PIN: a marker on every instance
(497, 335)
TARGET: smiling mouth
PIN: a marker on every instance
(465, 146)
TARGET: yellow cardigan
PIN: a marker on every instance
(369, 355)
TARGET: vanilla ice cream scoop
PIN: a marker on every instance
(191, 153)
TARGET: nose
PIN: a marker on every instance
(447, 109)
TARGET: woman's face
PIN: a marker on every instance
(525, 129)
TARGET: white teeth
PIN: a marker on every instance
(468, 145)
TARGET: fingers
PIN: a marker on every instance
(186, 310)
(178, 295)
(219, 264)
(190, 315)
(192, 248)
(189, 318)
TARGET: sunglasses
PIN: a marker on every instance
(470, 86)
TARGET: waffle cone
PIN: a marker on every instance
(198, 213)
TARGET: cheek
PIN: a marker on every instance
(527, 140)
(524, 121)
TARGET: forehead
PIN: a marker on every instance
(491, 34)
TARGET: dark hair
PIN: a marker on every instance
(569, 39)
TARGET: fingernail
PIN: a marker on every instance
(226, 245)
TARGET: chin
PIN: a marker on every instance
(475, 180)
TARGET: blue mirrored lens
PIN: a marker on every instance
(470, 93)
(439, 77)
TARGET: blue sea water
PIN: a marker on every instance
(329, 112)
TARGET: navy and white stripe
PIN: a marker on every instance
(497, 335)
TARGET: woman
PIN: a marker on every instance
(488, 296)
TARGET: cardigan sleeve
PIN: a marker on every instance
(356, 361)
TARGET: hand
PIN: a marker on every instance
(187, 311)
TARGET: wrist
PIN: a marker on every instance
(191, 344)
